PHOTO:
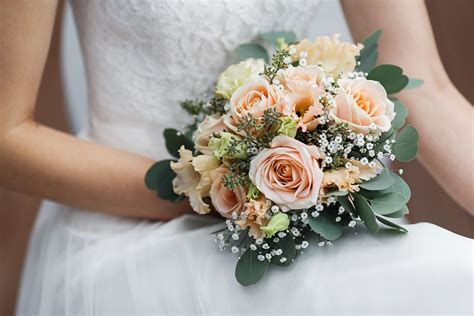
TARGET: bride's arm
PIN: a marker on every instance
(441, 114)
(44, 162)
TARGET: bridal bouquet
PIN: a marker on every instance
(293, 150)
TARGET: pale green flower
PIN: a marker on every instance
(237, 75)
(288, 127)
(252, 192)
(278, 223)
(223, 146)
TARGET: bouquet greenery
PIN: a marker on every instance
(293, 149)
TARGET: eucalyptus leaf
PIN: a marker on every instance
(406, 145)
(382, 181)
(414, 83)
(400, 213)
(391, 224)
(160, 177)
(399, 186)
(401, 114)
(287, 245)
(325, 225)
(366, 213)
(272, 37)
(251, 50)
(347, 204)
(174, 140)
(387, 203)
(369, 54)
(391, 77)
(249, 269)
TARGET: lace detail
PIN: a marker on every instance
(144, 56)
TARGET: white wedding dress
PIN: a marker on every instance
(142, 57)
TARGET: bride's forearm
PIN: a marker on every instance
(443, 117)
(44, 162)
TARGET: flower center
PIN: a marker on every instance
(361, 101)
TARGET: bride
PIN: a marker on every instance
(112, 247)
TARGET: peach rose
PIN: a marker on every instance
(361, 103)
(253, 98)
(226, 201)
(312, 75)
(204, 132)
(288, 173)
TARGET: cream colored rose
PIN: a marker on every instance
(253, 98)
(193, 178)
(312, 75)
(237, 75)
(288, 173)
(348, 179)
(226, 201)
(204, 132)
(361, 103)
(255, 216)
(333, 55)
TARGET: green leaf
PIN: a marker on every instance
(399, 186)
(406, 145)
(382, 181)
(325, 225)
(251, 50)
(347, 204)
(174, 140)
(400, 213)
(366, 213)
(287, 245)
(414, 83)
(249, 269)
(390, 77)
(368, 55)
(391, 224)
(387, 203)
(402, 113)
(160, 177)
(272, 37)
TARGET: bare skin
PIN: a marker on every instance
(38, 160)
(44, 162)
(443, 117)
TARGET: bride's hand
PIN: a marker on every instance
(44, 162)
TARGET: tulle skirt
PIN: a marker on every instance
(84, 263)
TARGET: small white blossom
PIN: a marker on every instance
(261, 257)
(268, 256)
(253, 247)
(275, 209)
(338, 219)
(352, 223)
(235, 249)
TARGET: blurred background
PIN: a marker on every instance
(62, 104)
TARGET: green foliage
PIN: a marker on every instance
(251, 50)
(391, 77)
(347, 204)
(274, 37)
(406, 145)
(387, 203)
(278, 62)
(399, 186)
(369, 54)
(400, 213)
(159, 178)
(325, 225)
(174, 140)
(391, 224)
(382, 181)
(414, 83)
(287, 245)
(366, 213)
(402, 113)
(249, 269)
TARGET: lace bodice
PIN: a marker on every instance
(144, 56)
